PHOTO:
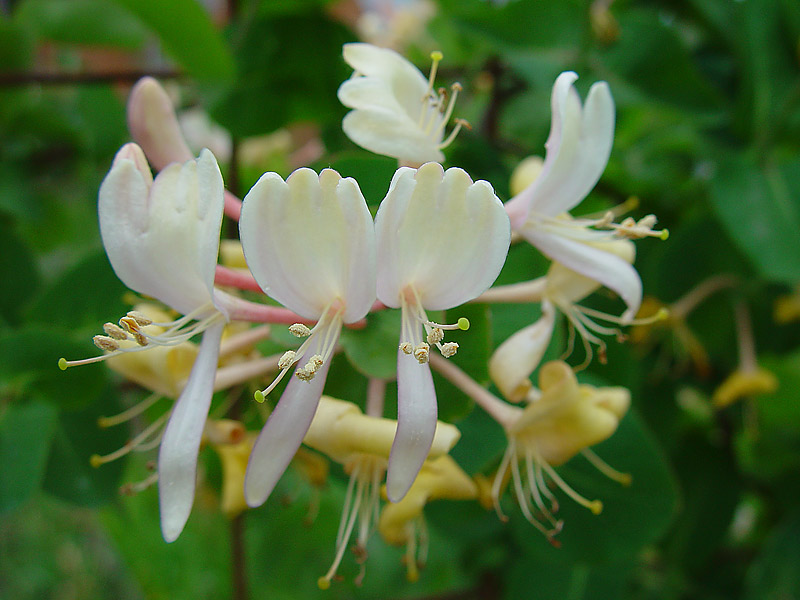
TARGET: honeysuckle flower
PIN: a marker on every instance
(393, 23)
(361, 443)
(565, 420)
(396, 111)
(403, 523)
(578, 148)
(233, 458)
(310, 244)
(441, 241)
(162, 238)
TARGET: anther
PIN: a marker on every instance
(449, 349)
(406, 347)
(421, 352)
(287, 360)
(115, 331)
(435, 335)
(104, 343)
(141, 319)
(299, 330)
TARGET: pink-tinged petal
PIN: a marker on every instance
(578, 148)
(609, 269)
(310, 241)
(416, 425)
(154, 126)
(177, 458)
(440, 233)
(163, 240)
(282, 435)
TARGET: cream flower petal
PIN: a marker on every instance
(162, 239)
(440, 233)
(609, 269)
(416, 425)
(282, 435)
(511, 365)
(309, 241)
(390, 134)
(177, 458)
(578, 148)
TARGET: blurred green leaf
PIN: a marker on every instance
(25, 433)
(188, 35)
(373, 173)
(16, 46)
(774, 574)
(69, 475)
(760, 215)
(533, 578)
(18, 273)
(89, 22)
(373, 350)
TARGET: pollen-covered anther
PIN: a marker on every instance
(105, 343)
(636, 230)
(422, 352)
(115, 331)
(287, 360)
(130, 325)
(299, 330)
(449, 349)
(304, 374)
(141, 319)
(435, 335)
(314, 363)
(407, 347)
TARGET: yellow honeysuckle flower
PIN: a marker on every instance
(234, 459)
(403, 523)
(741, 384)
(361, 443)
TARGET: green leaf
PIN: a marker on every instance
(25, 432)
(373, 350)
(774, 574)
(632, 516)
(69, 474)
(761, 214)
(16, 46)
(87, 295)
(188, 35)
(373, 173)
(18, 273)
(85, 22)
(531, 577)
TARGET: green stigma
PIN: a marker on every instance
(259, 396)
(62, 364)
(463, 323)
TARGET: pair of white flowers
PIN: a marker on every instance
(438, 240)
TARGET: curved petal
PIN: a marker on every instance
(607, 268)
(405, 81)
(177, 458)
(511, 365)
(309, 241)
(154, 126)
(163, 241)
(416, 425)
(578, 149)
(389, 134)
(441, 233)
(282, 435)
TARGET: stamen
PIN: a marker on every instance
(596, 506)
(140, 319)
(407, 348)
(435, 335)
(130, 413)
(623, 478)
(449, 349)
(105, 343)
(299, 330)
(456, 87)
(96, 460)
(421, 352)
(412, 572)
(115, 331)
(459, 124)
(131, 489)
(497, 484)
(288, 359)
(462, 324)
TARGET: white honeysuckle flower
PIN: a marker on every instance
(578, 149)
(396, 111)
(441, 241)
(162, 239)
(511, 365)
(310, 244)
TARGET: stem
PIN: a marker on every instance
(524, 292)
(242, 280)
(500, 411)
(376, 393)
(238, 559)
(744, 334)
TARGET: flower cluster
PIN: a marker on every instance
(313, 256)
